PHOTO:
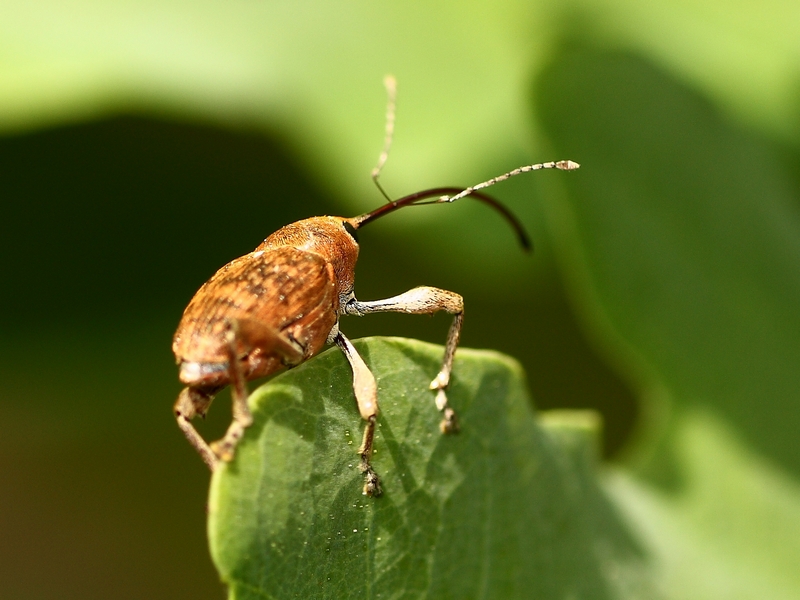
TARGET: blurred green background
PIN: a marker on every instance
(145, 144)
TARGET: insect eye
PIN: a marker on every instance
(351, 230)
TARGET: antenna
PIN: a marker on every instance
(564, 165)
(445, 194)
(418, 199)
(390, 83)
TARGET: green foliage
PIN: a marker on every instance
(677, 243)
(505, 509)
(733, 530)
(683, 232)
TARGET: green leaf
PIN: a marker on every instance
(684, 235)
(311, 69)
(682, 232)
(733, 531)
(504, 509)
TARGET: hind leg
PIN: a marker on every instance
(248, 334)
(194, 402)
(241, 336)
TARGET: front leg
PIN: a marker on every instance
(426, 301)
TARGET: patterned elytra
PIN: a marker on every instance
(285, 291)
(278, 287)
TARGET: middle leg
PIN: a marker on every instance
(366, 392)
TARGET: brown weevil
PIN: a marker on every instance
(280, 304)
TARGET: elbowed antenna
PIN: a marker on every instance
(451, 194)
(444, 194)
(417, 199)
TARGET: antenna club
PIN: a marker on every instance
(567, 165)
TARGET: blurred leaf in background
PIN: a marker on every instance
(688, 232)
(147, 143)
(685, 233)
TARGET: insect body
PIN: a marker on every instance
(279, 305)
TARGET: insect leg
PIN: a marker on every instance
(242, 419)
(250, 334)
(192, 402)
(366, 392)
(426, 301)
(243, 335)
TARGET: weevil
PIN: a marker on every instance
(280, 305)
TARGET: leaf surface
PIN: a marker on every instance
(504, 509)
